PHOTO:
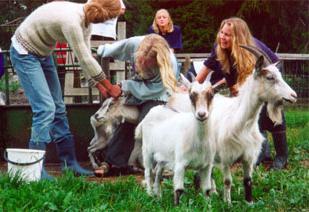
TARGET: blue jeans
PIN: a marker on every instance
(38, 76)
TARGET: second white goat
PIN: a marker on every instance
(178, 142)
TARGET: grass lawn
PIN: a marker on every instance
(286, 190)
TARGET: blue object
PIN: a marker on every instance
(66, 151)
(39, 78)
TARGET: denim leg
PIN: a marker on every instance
(60, 125)
(32, 79)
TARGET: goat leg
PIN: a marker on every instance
(248, 189)
(227, 183)
(177, 195)
(197, 181)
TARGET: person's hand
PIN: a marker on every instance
(102, 90)
(113, 90)
(234, 90)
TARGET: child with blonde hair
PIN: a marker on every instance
(155, 80)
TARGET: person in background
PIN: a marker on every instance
(155, 80)
(31, 56)
(235, 64)
(163, 25)
(107, 29)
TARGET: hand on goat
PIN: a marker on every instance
(112, 90)
(102, 90)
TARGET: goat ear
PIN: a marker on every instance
(185, 81)
(259, 65)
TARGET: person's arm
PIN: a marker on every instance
(80, 46)
(203, 73)
(218, 83)
(178, 38)
(75, 38)
(143, 89)
(201, 76)
(121, 50)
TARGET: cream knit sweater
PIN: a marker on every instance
(63, 22)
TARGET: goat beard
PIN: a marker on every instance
(274, 110)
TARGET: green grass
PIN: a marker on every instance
(285, 190)
(13, 86)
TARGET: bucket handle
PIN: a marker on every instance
(21, 164)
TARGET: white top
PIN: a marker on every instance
(19, 48)
(107, 28)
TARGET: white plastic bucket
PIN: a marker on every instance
(27, 163)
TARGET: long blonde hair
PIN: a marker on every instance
(97, 11)
(242, 59)
(152, 53)
(170, 25)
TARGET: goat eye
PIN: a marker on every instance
(270, 78)
(193, 96)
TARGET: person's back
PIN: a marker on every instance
(50, 23)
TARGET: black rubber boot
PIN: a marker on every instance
(66, 151)
(264, 156)
(41, 146)
(281, 148)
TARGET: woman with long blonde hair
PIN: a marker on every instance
(163, 26)
(155, 80)
(232, 65)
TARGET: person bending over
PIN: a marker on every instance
(31, 56)
(155, 80)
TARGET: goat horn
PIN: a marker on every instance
(258, 52)
(209, 76)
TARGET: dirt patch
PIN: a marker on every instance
(54, 170)
(18, 98)
(305, 163)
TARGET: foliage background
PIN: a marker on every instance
(279, 23)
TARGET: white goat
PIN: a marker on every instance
(233, 122)
(178, 140)
(113, 112)
(104, 123)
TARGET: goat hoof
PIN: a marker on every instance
(250, 202)
(208, 193)
(197, 181)
(213, 191)
(103, 170)
(177, 195)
